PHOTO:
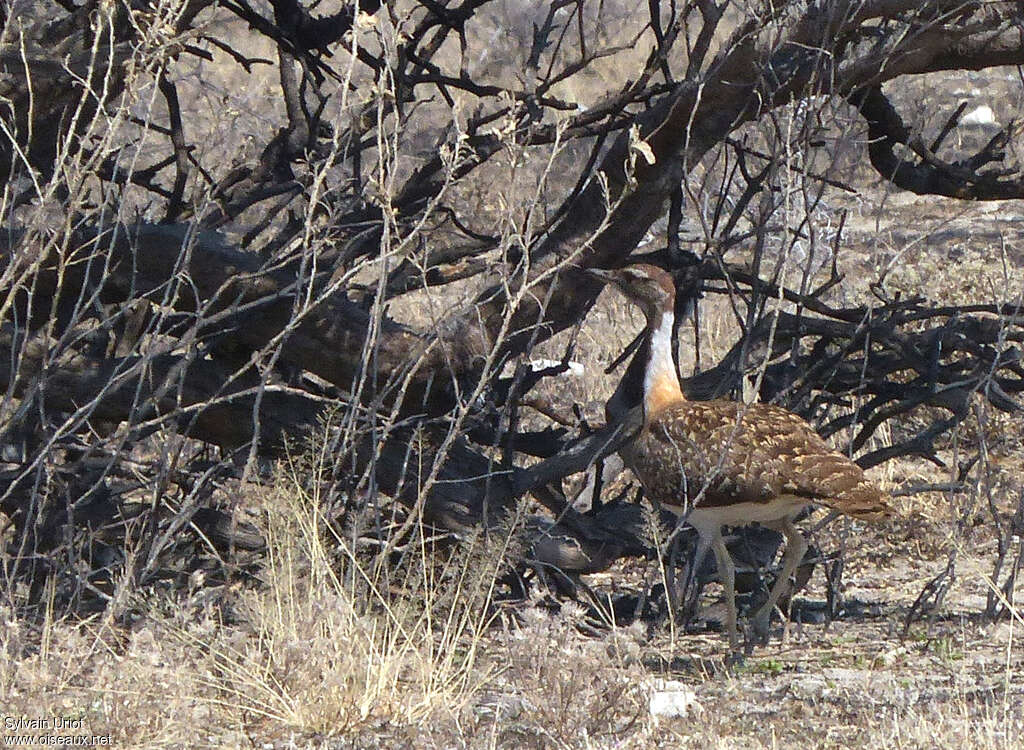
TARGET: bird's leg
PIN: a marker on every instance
(727, 575)
(796, 547)
(691, 587)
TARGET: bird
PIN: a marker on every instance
(726, 463)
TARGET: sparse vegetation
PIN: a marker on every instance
(276, 469)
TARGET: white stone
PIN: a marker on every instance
(672, 700)
(982, 115)
(575, 368)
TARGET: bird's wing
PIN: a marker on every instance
(729, 453)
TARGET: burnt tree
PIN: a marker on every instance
(213, 208)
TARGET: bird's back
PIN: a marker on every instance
(724, 453)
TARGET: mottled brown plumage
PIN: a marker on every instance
(721, 453)
(725, 463)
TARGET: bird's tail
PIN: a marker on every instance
(864, 501)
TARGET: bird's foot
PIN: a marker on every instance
(756, 632)
(734, 659)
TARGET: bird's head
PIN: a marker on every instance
(649, 287)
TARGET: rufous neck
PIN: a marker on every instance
(661, 380)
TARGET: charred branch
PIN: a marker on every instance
(377, 170)
(927, 174)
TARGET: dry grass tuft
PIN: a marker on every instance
(324, 646)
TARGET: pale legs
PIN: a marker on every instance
(711, 536)
(796, 548)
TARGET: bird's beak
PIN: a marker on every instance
(601, 274)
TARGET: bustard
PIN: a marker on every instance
(725, 463)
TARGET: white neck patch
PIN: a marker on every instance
(660, 366)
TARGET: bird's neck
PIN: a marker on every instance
(651, 378)
(661, 379)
